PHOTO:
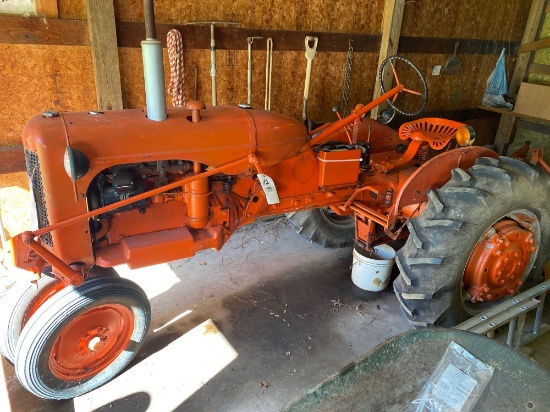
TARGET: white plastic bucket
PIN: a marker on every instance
(371, 271)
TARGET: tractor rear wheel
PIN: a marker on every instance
(480, 237)
(324, 227)
(82, 337)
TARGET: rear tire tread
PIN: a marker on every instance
(430, 261)
(313, 226)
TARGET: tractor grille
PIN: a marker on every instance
(33, 170)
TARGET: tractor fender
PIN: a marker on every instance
(435, 173)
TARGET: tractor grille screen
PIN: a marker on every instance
(33, 170)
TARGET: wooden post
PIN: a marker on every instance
(391, 30)
(47, 8)
(507, 122)
(103, 41)
(531, 29)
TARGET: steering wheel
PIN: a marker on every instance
(424, 94)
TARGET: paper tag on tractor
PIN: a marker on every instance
(269, 188)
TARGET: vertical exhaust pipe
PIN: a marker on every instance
(153, 67)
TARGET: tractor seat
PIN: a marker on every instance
(437, 132)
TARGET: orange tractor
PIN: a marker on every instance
(141, 188)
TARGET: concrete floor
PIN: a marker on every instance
(288, 308)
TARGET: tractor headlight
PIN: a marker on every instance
(465, 135)
(76, 163)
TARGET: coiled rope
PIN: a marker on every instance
(177, 77)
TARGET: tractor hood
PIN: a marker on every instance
(224, 134)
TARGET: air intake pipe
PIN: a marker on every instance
(153, 67)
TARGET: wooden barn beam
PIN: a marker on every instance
(103, 42)
(21, 30)
(534, 45)
(391, 31)
(529, 35)
(12, 159)
(508, 123)
(539, 69)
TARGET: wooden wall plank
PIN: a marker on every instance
(534, 127)
(435, 45)
(19, 30)
(508, 123)
(12, 160)
(38, 78)
(103, 41)
(539, 68)
(534, 45)
(531, 29)
(344, 16)
(495, 19)
(229, 38)
(391, 31)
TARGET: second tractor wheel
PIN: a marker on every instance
(82, 337)
(324, 227)
(480, 237)
(20, 303)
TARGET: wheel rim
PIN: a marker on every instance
(337, 220)
(91, 342)
(501, 260)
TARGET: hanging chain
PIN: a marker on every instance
(347, 76)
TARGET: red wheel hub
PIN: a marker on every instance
(91, 342)
(499, 261)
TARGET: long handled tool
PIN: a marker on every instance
(310, 55)
(268, 70)
(213, 52)
(249, 40)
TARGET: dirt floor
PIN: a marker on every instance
(286, 307)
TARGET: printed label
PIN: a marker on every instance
(269, 188)
(454, 387)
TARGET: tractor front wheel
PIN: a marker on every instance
(19, 304)
(324, 227)
(480, 237)
(82, 337)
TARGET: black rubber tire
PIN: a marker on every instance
(22, 295)
(443, 236)
(38, 336)
(13, 311)
(322, 227)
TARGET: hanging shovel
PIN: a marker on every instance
(310, 55)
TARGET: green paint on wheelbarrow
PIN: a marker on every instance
(390, 376)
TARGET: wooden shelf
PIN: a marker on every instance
(512, 113)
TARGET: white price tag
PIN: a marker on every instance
(269, 188)
(454, 387)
